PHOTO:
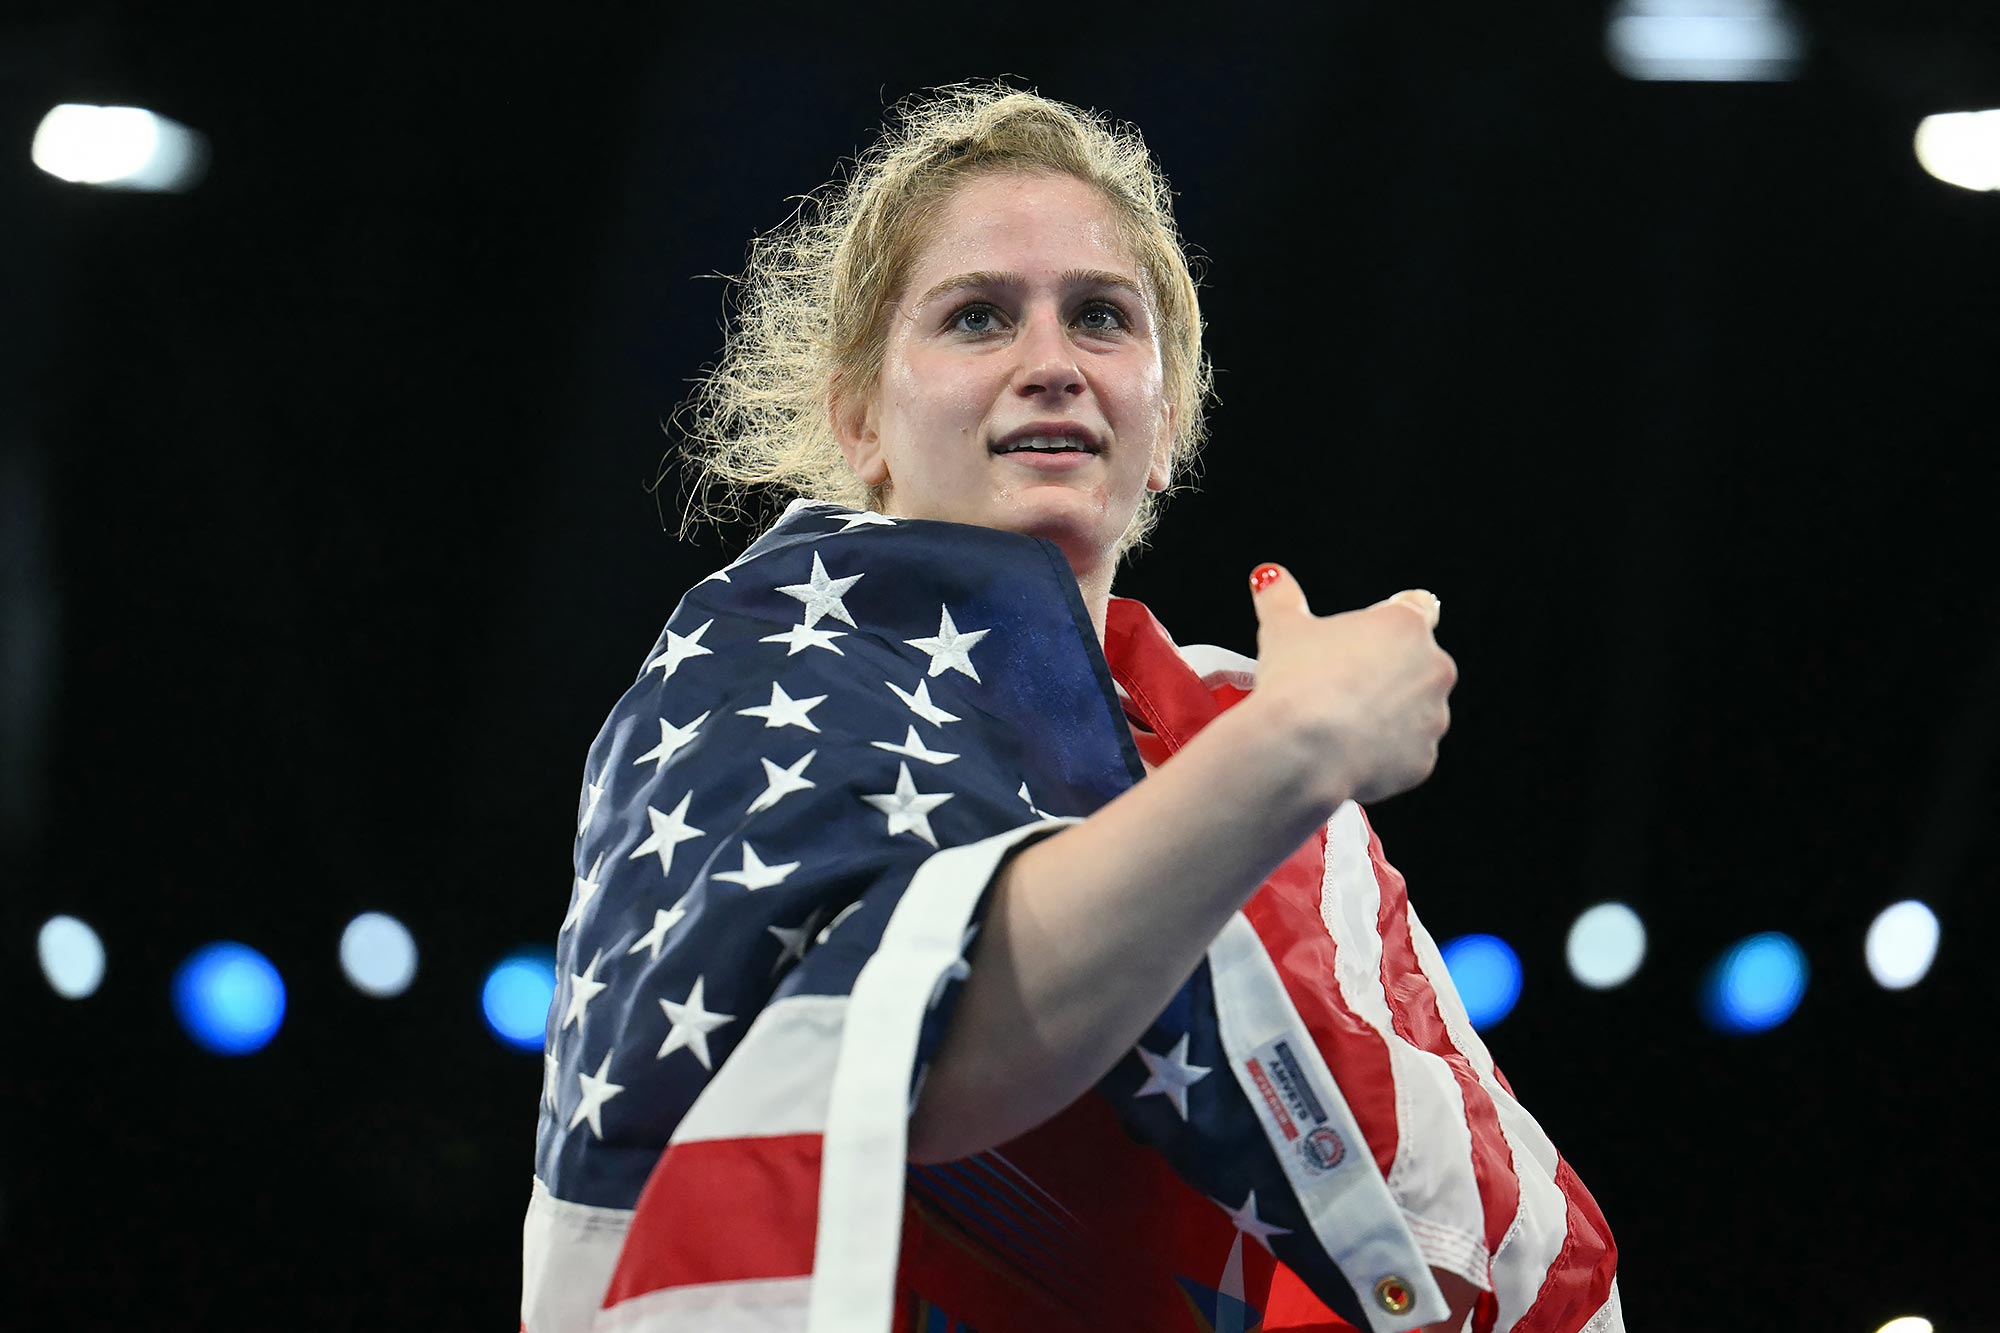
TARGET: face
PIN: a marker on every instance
(1025, 322)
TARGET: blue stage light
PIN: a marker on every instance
(1487, 973)
(1755, 985)
(517, 997)
(229, 998)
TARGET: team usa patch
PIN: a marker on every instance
(1292, 1105)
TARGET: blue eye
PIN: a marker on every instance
(1103, 308)
(982, 312)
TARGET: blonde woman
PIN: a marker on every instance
(948, 948)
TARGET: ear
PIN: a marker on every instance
(860, 442)
(1161, 474)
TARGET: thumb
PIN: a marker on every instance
(1421, 600)
(1275, 593)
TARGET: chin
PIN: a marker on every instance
(1076, 521)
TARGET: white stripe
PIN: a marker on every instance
(568, 1251)
(1348, 903)
(1534, 1239)
(1541, 1223)
(1219, 666)
(758, 1305)
(1354, 1217)
(776, 1080)
(1432, 1176)
(866, 1149)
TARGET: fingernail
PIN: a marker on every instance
(1263, 577)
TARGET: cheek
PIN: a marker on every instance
(934, 395)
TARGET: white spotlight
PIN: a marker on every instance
(1962, 148)
(1704, 41)
(1902, 943)
(378, 955)
(1606, 946)
(1908, 1323)
(119, 148)
(72, 957)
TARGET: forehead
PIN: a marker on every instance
(1036, 225)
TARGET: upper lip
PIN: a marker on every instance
(1072, 430)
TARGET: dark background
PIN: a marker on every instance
(330, 544)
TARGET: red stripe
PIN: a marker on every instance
(1285, 914)
(1171, 699)
(1413, 1010)
(722, 1211)
(1579, 1281)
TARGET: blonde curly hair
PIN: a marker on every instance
(809, 317)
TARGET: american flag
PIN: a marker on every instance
(787, 827)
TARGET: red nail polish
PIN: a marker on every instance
(1263, 577)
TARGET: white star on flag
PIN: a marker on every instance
(822, 595)
(781, 782)
(949, 648)
(672, 738)
(1029, 801)
(784, 710)
(802, 636)
(908, 809)
(594, 794)
(669, 831)
(866, 518)
(792, 939)
(679, 650)
(583, 988)
(755, 874)
(1170, 1075)
(597, 1090)
(920, 703)
(1249, 1223)
(691, 1025)
(914, 748)
(586, 889)
(664, 920)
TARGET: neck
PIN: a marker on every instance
(1095, 585)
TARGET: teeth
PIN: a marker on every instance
(1047, 444)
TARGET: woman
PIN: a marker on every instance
(855, 1033)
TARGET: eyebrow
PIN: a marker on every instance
(1075, 277)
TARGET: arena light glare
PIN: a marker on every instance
(1606, 945)
(378, 955)
(1487, 973)
(72, 957)
(1756, 985)
(517, 996)
(1908, 1323)
(1961, 148)
(118, 148)
(229, 998)
(1902, 943)
(1704, 41)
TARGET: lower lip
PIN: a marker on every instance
(1051, 462)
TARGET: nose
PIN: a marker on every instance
(1048, 363)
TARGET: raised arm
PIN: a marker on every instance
(1091, 931)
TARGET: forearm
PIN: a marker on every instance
(1090, 932)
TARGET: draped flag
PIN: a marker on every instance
(784, 840)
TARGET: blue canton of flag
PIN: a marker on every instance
(816, 720)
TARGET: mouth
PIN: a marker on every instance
(1052, 438)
